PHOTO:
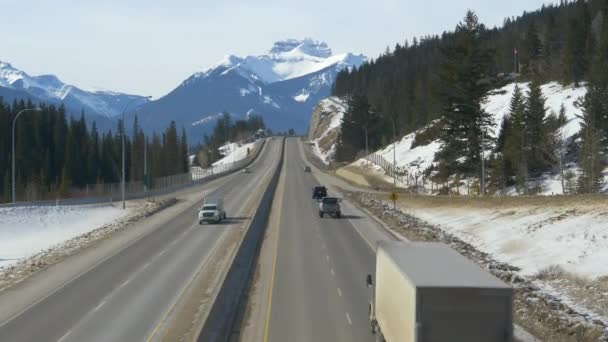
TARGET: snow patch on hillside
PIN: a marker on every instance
(326, 122)
(288, 59)
(416, 160)
(25, 231)
(234, 152)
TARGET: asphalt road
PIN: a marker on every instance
(319, 291)
(124, 297)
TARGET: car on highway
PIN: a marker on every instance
(246, 170)
(319, 192)
(306, 168)
(212, 211)
(330, 206)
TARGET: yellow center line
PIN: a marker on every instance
(274, 262)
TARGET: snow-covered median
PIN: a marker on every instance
(25, 231)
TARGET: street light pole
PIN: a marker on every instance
(366, 150)
(13, 150)
(124, 206)
(394, 156)
(145, 162)
(483, 168)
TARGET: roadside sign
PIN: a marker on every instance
(394, 196)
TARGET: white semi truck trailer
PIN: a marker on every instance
(428, 292)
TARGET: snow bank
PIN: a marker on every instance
(531, 238)
(25, 231)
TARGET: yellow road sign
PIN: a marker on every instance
(394, 196)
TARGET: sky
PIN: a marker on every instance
(148, 47)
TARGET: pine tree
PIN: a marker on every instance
(534, 135)
(515, 162)
(466, 80)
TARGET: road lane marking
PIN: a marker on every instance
(327, 258)
(99, 306)
(332, 272)
(125, 283)
(348, 319)
(162, 252)
(276, 249)
(65, 336)
(339, 292)
(145, 266)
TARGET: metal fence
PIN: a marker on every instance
(414, 180)
(109, 192)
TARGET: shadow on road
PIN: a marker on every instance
(352, 217)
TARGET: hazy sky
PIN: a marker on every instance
(148, 47)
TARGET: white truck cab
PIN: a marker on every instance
(212, 211)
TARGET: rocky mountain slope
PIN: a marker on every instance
(282, 85)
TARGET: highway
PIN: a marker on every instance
(318, 284)
(124, 296)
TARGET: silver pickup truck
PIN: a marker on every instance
(330, 206)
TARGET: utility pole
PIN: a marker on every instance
(13, 150)
(394, 156)
(515, 62)
(366, 150)
(483, 169)
(145, 162)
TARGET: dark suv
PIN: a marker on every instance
(319, 192)
(330, 206)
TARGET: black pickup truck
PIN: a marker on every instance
(319, 192)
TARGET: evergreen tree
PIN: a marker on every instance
(535, 135)
(466, 80)
(515, 162)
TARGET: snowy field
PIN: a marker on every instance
(25, 231)
(532, 238)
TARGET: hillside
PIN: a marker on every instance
(415, 160)
(325, 125)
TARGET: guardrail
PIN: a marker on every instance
(225, 317)
(136, 190)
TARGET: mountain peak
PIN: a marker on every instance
(6, 65)
(306, 46)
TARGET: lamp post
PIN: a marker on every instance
(13, 150)
(366, 149)
(394, 155)
(122, 186)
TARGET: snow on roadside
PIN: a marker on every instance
(531, 238)
(25, 231)
(551, 307)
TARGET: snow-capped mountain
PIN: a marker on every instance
(282, 85)
(15, 83)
